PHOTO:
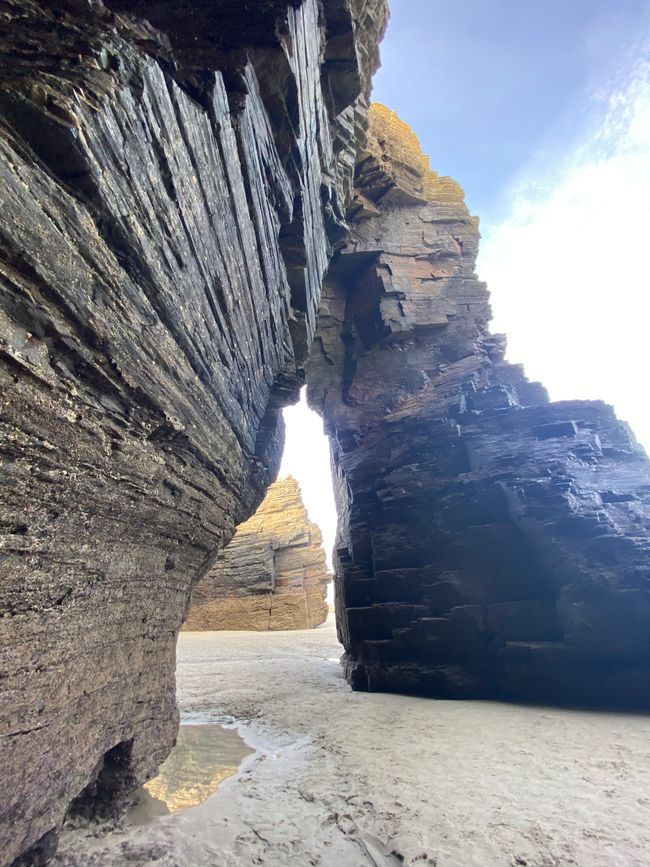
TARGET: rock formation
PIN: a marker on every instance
(176, 179)
(172, 186)
(272, 575)
(490, 543)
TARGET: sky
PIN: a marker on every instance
(541, 110)
(307, 458)
(487, 84)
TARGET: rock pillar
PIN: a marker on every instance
(490, 543)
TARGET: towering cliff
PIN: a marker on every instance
(272, 575)
(172, 188)
(490, 543)
(191, 218)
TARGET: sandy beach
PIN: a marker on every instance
(343, 779)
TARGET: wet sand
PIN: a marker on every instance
(204, 756)
(342, 779)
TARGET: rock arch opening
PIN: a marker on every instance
(307, 458)
(217, 222)
(275, 573)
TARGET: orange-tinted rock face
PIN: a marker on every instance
(272, 575)
(392, 150)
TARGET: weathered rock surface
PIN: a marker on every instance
(176, 178)
(272, 575)
(490, 543)
(172, 188)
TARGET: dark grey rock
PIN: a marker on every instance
(163, 237)
(490, 543)
(191, 215)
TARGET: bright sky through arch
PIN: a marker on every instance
(306, 458)
(569, 265)
(542, 112)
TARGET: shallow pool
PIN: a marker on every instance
(204, 756)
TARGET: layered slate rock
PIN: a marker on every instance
(490, 543)
(272, 575)
(174, 178)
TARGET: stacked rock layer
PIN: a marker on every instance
(174, 177)
(192, 220)
(272, 575)
(490, 543)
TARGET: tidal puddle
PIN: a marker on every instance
(204, 756)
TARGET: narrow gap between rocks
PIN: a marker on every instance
(307, 458)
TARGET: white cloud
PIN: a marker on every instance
(569, 267)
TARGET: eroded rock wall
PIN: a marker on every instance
(174, 178)
(272, 575)
(490, 543)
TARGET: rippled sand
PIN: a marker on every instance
(344, 779)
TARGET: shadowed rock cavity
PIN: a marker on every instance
(173, 189)
(490, 543)
(272, 575)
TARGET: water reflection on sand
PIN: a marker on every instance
(203, 757)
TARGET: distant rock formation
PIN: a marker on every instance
(272, 575)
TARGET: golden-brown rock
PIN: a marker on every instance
(392, 162)
(272, 575)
